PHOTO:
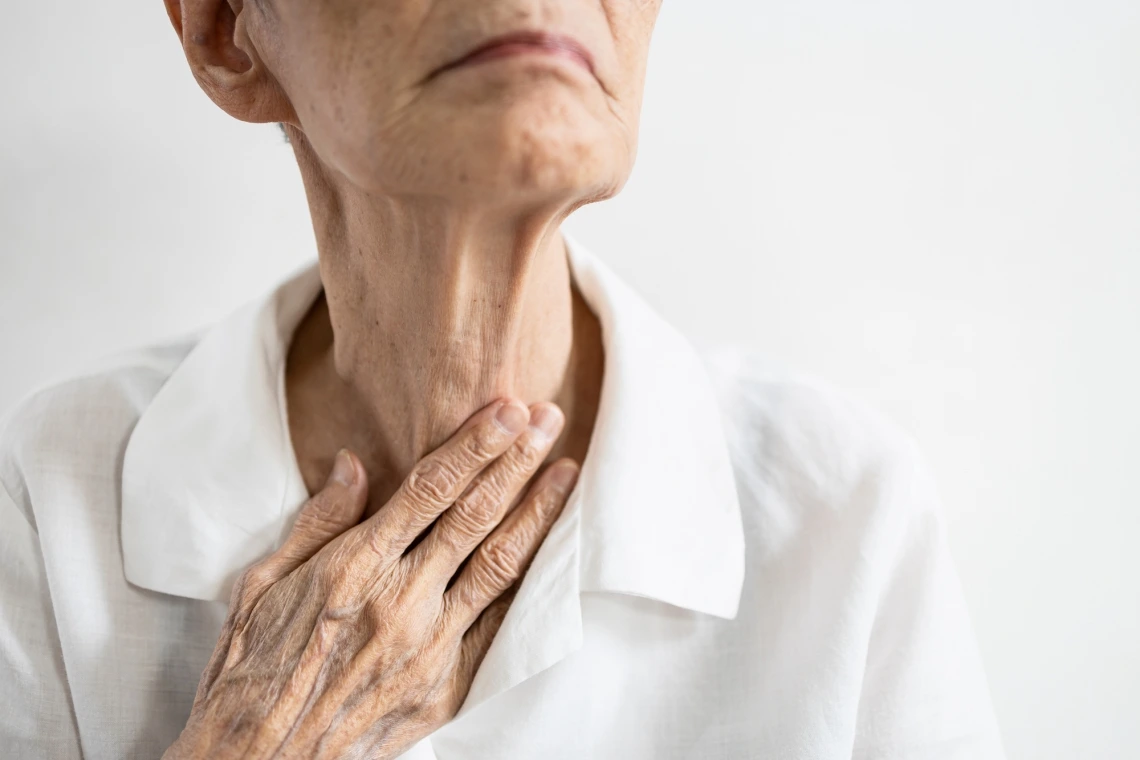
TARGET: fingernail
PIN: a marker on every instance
(512, 417)
(546, 420)
(564, 477)
(342, 472)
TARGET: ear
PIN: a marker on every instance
(224, 61)
(174, 13)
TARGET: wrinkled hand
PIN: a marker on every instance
(345, 643)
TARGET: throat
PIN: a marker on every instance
(392, 378)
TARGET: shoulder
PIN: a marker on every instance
(809, 453)
(77, 426)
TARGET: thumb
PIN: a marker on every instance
(333, 510)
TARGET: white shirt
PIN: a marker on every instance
(752, 565)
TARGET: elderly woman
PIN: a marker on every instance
(377, 465)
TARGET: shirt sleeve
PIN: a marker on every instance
(924, 694)
(36, 717)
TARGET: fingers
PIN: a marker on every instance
(504, 556)
(474, 648)
(332, 511)
(440, 477)
(475, 514)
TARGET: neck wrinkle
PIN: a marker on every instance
(428, 313)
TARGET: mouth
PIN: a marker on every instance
(524, 43)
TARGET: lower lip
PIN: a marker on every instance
(511, 49)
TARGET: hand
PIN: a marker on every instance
(345, 642)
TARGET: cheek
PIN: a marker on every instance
(631, 24)
(340, 61)
(345, 101)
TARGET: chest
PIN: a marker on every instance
(652, 681)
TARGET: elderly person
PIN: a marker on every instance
(349, 520)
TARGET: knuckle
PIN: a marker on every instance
(514, 468)
(475, 512)
(337, 613)
(481, 445)
(431, 482)
(527, 455)
(339, 575)
(499, 564)
(380, 545)
(251, 584)
(548, 499)
(379, 614)
(340, 593)
(325, 630)
(399, 617)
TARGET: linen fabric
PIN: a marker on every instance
(752, 565)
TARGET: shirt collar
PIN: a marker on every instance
(211, 483)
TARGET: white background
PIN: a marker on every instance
(935, 205)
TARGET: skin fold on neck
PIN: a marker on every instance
(430, 311)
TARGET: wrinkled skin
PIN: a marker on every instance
(436, 194)
(349, 641)
(360, 81)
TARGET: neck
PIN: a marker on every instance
(428, 313)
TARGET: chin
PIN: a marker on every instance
(547, 138)
(531, 155)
